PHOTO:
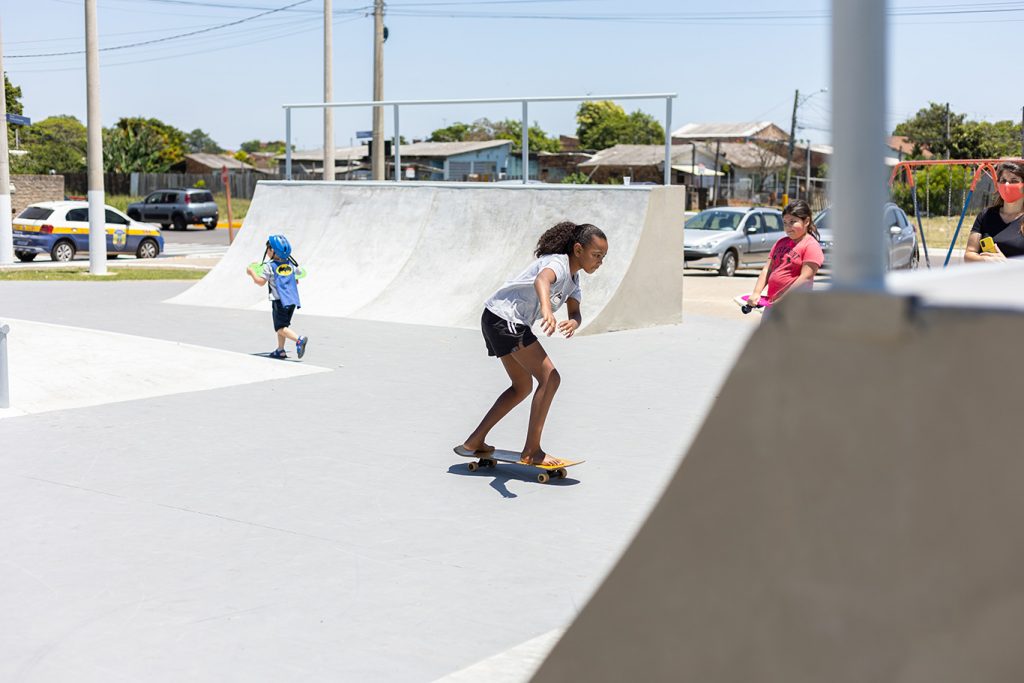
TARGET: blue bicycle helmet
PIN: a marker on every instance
(279, 243)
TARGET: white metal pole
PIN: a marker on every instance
(6, 230)
(526, 146)
(328, 91)
(668, 141)
(5, 390)
(859, 47)
(398, 151)
(287, 143)
(94, 155)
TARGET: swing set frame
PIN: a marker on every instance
(979, 168)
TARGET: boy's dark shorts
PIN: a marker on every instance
(503, 337)
(282, 314)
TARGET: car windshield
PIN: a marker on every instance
(715, 220)
(821, 221)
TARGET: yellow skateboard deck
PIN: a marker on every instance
(500, 455)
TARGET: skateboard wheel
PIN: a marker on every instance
(561, 474)
(543, 477)
(473, 466)
(489, 463)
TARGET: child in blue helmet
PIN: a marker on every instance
(279, 271)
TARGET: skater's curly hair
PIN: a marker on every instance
(561, 238)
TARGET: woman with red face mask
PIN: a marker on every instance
(1002, 223)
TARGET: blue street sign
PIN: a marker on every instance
(19, 120)
(364, 134)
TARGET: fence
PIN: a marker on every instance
(243, 183)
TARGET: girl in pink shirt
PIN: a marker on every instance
(795, 258)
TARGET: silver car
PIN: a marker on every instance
(902, 239)
(729, 237)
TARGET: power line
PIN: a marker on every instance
(165, 39)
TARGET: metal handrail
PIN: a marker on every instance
(396, 104)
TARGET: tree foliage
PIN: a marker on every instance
(13, 95)
(137, 144)
(263, 147)
(200, 141)
(507, 129)
(603, 124)
(967, 139)
(57, 143)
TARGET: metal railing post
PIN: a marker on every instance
(668, 141)
(526, 146)
(287, 143)
(5, 391)
(398, 152)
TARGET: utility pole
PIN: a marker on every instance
(808, 194)
(718, 151)
(6, 231)
(94, 155)
(1022, 133)
(328, 90)
(789, 157)
(377, 162)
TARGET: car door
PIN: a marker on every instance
(900, 237)
(757, 239)
(117, 232)
(773, 229)
(77, 221)
(151, 207)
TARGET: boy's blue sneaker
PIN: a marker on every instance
(277, 353)
(300, 346)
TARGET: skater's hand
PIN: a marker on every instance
(992, 257)
(568, 327)
(548, 324)
(250, 272)
(754, 301)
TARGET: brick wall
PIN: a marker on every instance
(29, 189)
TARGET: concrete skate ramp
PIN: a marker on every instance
(850, 511)
(431, 253)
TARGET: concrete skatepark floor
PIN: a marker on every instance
(319, 527)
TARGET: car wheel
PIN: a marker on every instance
(728, 267)
(179, 222)
(63, 251)
(147, 249)
(212, 225)
(25, 256)
(915, 259)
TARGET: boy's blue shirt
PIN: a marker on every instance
(287, 284)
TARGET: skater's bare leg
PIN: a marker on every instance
(285, 333)
(521, 386)
(536, 362)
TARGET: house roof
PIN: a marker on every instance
(216, 161)
(414, 149)
(900, 143)
(713, 131)
(739, 154)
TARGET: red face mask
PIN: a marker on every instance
(1011, 192)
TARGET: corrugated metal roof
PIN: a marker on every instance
(739, 154)
(216, 161)
(413, 149)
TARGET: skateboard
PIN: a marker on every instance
(498, 455)
(746, 307)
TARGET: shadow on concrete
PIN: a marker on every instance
(505, 472)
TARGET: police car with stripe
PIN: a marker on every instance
(61, 229)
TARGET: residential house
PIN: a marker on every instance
(202, 163)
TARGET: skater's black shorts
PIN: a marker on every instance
(503, 337)
(282, 314)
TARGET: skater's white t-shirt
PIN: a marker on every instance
(517, 301)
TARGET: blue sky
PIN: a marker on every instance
(728, 61)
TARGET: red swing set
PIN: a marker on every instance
(976, 169)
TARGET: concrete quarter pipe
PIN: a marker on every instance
(431, 253)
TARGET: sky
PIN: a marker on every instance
(729, 61)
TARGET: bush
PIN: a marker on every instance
(933, 190)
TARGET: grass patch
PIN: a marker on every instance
(938, 230)
(239, 207)
(114, 274)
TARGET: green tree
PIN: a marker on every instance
(511, 129)
(927, 128)
(642, 129)
(263, 147)
(599, 124)
(57, 143)
(200, 141)
(13, 95)
(456, 132)
(137, 144)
